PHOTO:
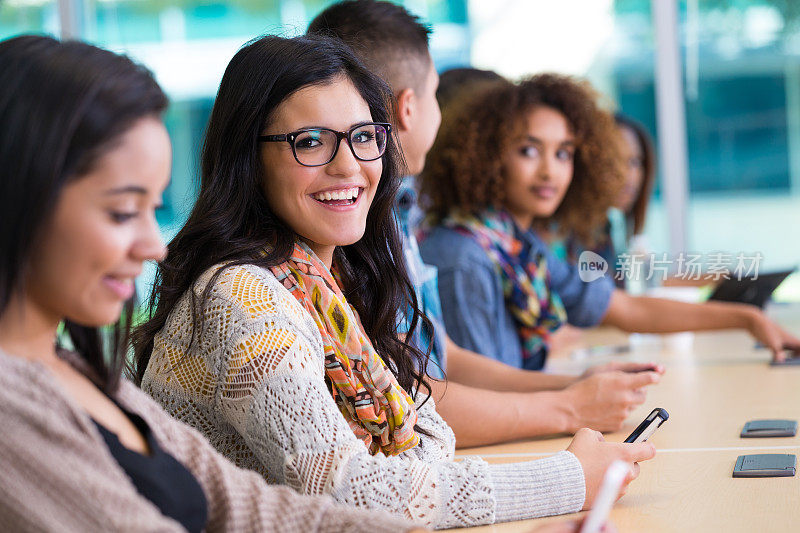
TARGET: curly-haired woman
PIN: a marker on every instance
(508, 158)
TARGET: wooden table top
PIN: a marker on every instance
(714, 383)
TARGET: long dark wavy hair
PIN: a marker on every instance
(232, 222)
(62, 106)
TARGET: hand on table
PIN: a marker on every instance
(595, 455)
(604, 400)
(623, 366)
(771, 335)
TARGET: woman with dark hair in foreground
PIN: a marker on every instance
(83, 163)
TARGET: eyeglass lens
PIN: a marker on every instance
(316, 147)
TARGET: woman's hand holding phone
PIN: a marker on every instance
(596, 455)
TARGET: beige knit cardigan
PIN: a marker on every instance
(253, 382)
(56, 473)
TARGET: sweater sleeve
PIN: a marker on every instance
(241, 500)
(272, 390)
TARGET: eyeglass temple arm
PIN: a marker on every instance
(273, 138)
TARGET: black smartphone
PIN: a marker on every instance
(649, 425)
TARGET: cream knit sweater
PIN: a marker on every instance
(57, 474)
(253, 383)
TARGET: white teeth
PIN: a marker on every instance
(344, 194)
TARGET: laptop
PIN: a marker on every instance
(749, 290)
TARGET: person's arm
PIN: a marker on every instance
(468, 368)
(277, 399)
(482, 417)
(656, 315)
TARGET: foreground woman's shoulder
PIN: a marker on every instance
(252, 288)
(237, 280)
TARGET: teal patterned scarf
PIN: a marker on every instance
(537, 311)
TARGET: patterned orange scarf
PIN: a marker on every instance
(378, 410)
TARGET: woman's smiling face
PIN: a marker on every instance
(102, 230)
(327, 205)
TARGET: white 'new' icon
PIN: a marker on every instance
(591, 266)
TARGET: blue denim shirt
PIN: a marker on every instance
(475, 314)
(424, 279)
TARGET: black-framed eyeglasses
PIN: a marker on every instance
(314, 147)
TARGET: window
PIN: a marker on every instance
(28, 16)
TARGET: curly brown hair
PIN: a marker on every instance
(464, 171)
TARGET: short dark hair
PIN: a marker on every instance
(63, 105)
(388, 39)
(454, 80)
(232, 222)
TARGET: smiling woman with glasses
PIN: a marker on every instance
(276, 326)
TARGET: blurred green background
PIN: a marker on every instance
(741, 85)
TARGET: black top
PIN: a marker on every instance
(160, 478)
